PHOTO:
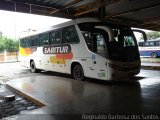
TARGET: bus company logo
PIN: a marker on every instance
(60, 49)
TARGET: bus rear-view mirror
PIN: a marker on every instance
(144, 35)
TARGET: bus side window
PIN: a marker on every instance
(157, 43)
(100, 46)
(141, 44)
(23, 42)
(147, 44)
(152, 44)
(69, 35)
(54, 37)
(36, 40)
(30, 42)
(43, 39)
(88, 39)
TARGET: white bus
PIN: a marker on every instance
(83, 48)
(151, 48)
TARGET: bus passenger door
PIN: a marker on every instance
(99, 56)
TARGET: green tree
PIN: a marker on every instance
(8, 44)
(2, 45)
(11, 45)
(152, 35)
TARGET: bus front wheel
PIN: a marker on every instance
(33, 67)
(78, 73)
(154, 55)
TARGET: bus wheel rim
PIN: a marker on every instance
(78, 73)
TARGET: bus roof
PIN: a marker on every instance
(65, 24)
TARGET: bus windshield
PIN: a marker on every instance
(123, 47)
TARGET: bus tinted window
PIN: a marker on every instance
(70, 35)
(128, 41)
(30, 42)
(146, 44)
(101, 47)
(96, 41)
(54, 37)
(151, 44)
(140, 44)
(35, 41)
(23, 42)
(124, 37)
(88, 38)
(157, 43)
(43, 39)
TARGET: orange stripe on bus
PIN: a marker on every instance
(64, 56)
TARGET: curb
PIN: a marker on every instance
(2, 83)
(150, 60)
(151, 67)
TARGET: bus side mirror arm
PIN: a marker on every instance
(142, 32)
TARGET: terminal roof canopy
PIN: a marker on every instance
(135, 13)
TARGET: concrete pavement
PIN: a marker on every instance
(13, 70)
(62, 95)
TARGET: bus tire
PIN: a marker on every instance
(154, 55)
(33, 67)
(77, 72)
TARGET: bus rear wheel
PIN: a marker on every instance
(154, 55)
(33, 67)
(78, 73)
